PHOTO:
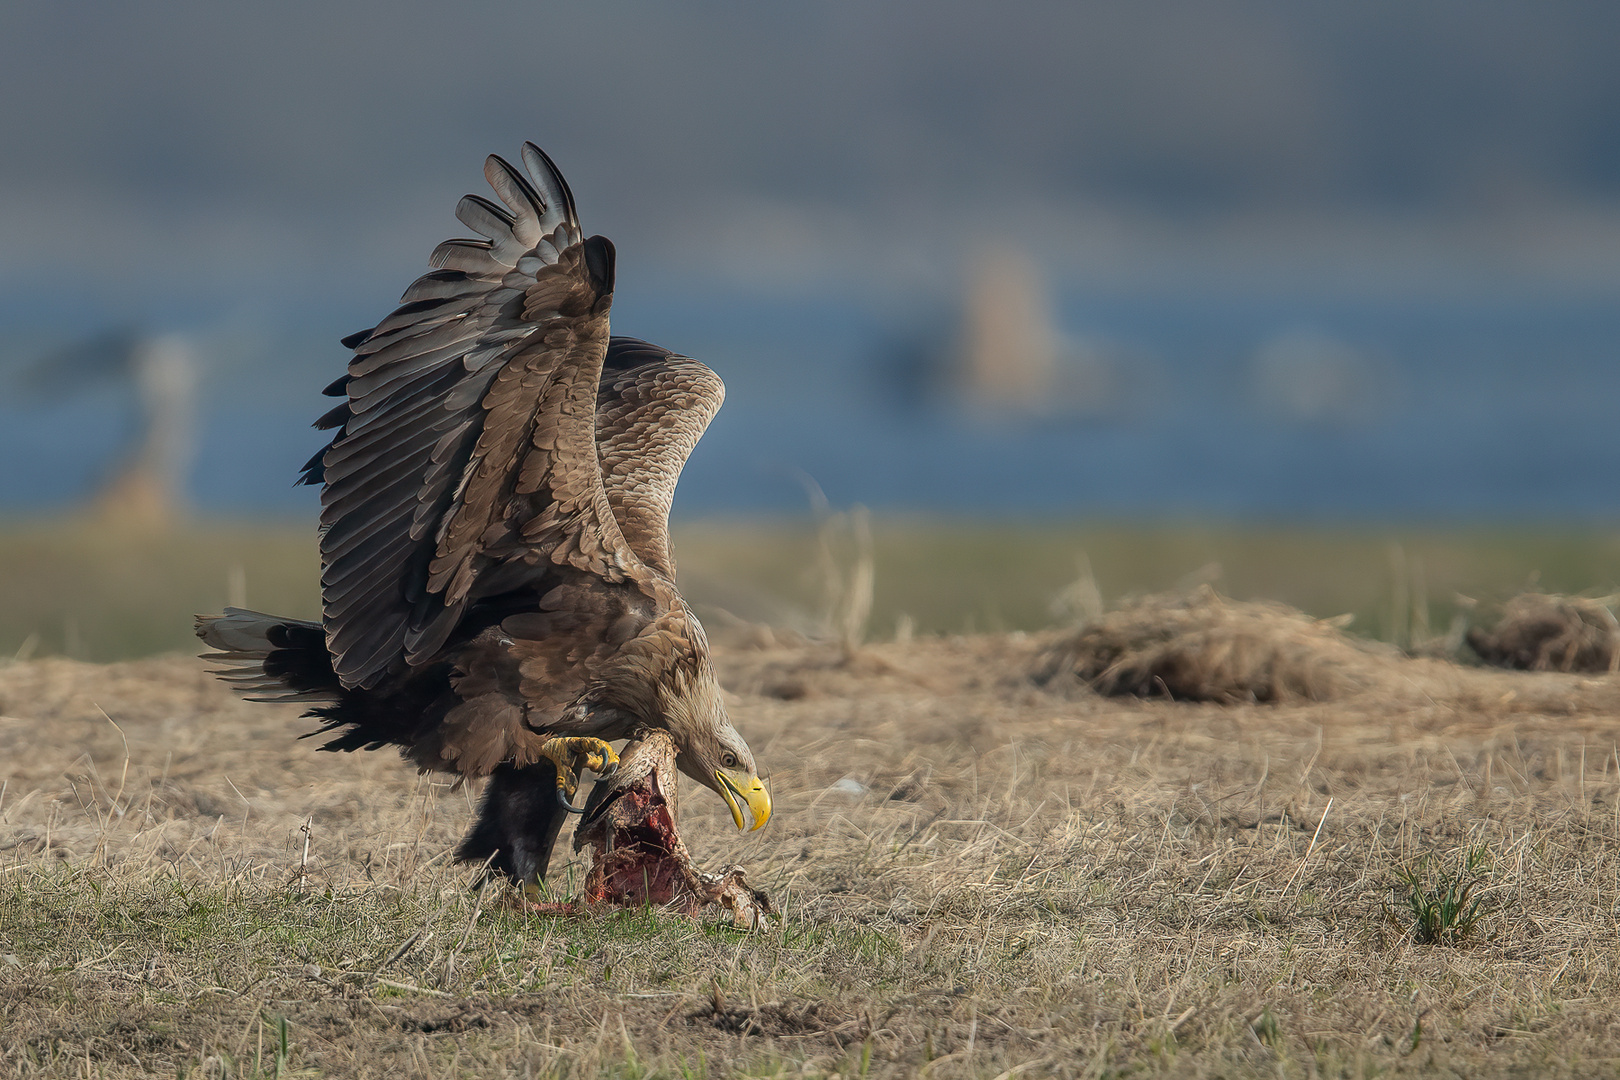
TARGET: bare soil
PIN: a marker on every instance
(977, 876)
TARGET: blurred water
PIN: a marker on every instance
(1270, 407)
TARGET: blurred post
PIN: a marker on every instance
(149, 491)
(1010, 344)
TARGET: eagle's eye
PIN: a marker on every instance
(728, 759)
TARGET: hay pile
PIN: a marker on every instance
(1205, 647)
(1548, 632)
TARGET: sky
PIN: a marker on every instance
(268, 176)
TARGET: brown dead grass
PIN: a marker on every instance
(1202, 646)
(1548, 632)
(978, 877)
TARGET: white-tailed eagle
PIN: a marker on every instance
(498, 594)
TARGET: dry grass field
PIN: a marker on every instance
(977, 876)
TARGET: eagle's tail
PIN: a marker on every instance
(269, 658)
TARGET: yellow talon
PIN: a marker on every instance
(572, 752)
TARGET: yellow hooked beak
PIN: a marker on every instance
(748, 789)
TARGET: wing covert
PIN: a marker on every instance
(652, 408)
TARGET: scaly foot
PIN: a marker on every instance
(572, 752)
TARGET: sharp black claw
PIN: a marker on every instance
(607, 774)
(562, 800)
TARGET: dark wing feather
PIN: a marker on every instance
(652, 408)
(467, 435)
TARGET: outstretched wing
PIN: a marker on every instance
(652, 408)
(465, 461)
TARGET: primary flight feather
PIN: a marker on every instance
(498, 594)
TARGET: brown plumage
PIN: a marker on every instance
(496, 568)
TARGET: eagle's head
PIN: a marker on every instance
(711, 750)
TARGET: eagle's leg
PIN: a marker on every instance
(572, 752)
(518, 822)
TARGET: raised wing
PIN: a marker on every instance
(465, 459)
(652, 408)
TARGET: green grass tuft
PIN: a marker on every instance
(1444, 910)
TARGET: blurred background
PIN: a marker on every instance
(1321, 302)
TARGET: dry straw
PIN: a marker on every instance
(1202, 646)
(1548, 632)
